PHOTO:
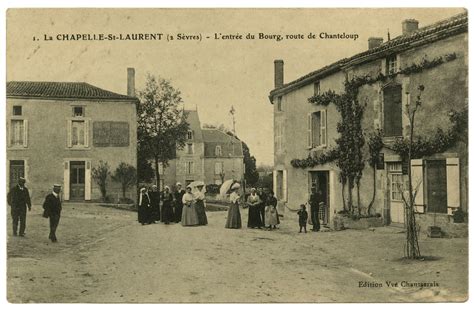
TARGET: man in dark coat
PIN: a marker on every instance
(19, 200)
(263, 198)
(314, 199)
(154, 196)
(52, 210)
(178, 205)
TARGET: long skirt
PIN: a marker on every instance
(254, 217)
(189, 216)
(233, 217)
(178, 212)
(271, 216)
(167, 212)
(201, 213)
(144, 215)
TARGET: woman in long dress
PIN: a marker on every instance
(144, 207)
(271, 212)
(178, 204)
(189, 216)
(167, 208)
(253, 202)
(233, 215)
(199, 201)
(154, 195)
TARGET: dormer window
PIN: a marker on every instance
(78, 111)
(190, 135)
(391, 63)
(218, 151)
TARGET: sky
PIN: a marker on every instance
(212, 75)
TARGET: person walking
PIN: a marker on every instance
(154, 196)
(254, 202)
(189, 217)
(19, 200)
(271, 212)
(200, 203)
(315, 199)
(52, 210)
(233, 215)
(178, 202)
(167, 208)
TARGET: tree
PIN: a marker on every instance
(100, 174)
(375, 144)
(250, 163)
(145, 170)
(162, 126)
(126, 175)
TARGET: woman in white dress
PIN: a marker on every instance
(189, 216)
(233, 215)
(199, 203)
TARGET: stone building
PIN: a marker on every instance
(434, 56)
(209, 155)
(58, 131)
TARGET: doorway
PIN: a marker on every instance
(436, 186)
(77, 180)
(320, 180)
(397, 186)
(17, 170)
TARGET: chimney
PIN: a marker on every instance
(131, 82)
(409, 26)
(375, 42)
(278, 73)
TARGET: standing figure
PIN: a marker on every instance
(19, 200)
(200, 202)
(314, 199)
(52, 210)
(271, 212)
(167, 207)
(302, 217)
(254, 213)
(263, 200)
(144, 207)
(178, 203)
(189, 217)
(154, 196)
(233, 215)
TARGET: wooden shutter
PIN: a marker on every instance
(87, 182)
(392, 110)
(66, 181)
(417, 179)
(86, 133)
(69, 134)
(285, 185)
(25, 133)
(453, 183)
(310, 130)
(275, 181)
(322, 128)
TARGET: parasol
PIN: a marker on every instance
(225, 187)
(194, 185)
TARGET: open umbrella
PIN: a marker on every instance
(194, 184)
(225, 187)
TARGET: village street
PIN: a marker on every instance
(104, 255)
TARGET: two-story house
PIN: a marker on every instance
(57, 132)
(434, 56)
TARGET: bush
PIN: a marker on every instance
(213, 189)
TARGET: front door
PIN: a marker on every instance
(436, 186)
(320, 180)
(397, 208)
(17, 170)
(77, 180)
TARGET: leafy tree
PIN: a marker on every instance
(145, 171)
(162, 126)
(99, 175)
(375, 144)
(126, 175)
(250, 174)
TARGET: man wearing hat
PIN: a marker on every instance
(19, 200)
(52, 210)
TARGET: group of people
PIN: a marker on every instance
(19, 200)
(263, 210)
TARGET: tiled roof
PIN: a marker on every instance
(229, 144)
(444, 28)
(70, 90)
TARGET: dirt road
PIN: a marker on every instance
(104, 255)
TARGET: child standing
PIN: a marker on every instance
(302, 217)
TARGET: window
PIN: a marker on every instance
(189, 148)
(317, 134)
(391, 63)
(279, 104)
(278, 136)
(18, 133)
(317, 88)
(189, 167)
(78, 111)
(218, 151)
(190, 135)
(397, 185)
(436, 183)
(218, 168)
(392, 111)
(17, 111)
(78, 133)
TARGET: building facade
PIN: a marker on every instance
(435, 57)
(209, 155)
(57, 132)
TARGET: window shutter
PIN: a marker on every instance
(25, 133)
(384, 66)
(310, 130)
(69, 133)
(275, 181)
(453, 183)
(417, 179)
(66, 181)
(87, 182)
(86, 133)
(322, 127)
(285, 185)
(9, 129)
